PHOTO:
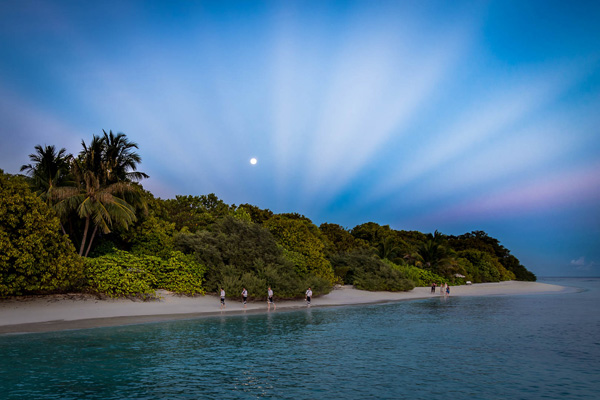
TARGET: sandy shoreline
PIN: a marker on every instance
(53, 313)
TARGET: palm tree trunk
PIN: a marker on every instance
(91, 240)
(85, 231)
(63, 228)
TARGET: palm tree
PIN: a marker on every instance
(48, 169)
(121, 161)
(388, 249)
(104, 192)
(434, 254)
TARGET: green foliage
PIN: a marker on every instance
(151, 237)
(48, 170)
(257, 215)
(124, 274)
(241, 213)
(340, 240)
(370, 232)
(239, 254)
(193, 212)
(383, 278)
(512, 264)
(298, 235)
(387, 244)
(413, 239)
(484, 267)
(368, 272)
(479, 240)
(34, 257)
(179, 273)
(419, 276)
(121, 274)
(103, 246)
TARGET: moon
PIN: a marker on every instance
(253, 161)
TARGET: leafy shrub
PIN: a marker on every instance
(119, 274)
(419, 276)
(304, 242)
(124, 274)
(239, 253)
(34, 256)
(484, 267)
(180, 273)
(152, 236)
(369, 272)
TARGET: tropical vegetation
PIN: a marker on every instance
(84, 223)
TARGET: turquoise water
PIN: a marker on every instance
(517, 347)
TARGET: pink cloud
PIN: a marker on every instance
(565, 189)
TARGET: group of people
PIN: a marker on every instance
(444, 289)
(270, 301)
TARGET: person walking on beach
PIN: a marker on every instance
(447, 290)
(433, 287)
(223, 299)
(308, 296)
(270, 301)
(244, 296)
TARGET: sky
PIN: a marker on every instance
(422, 115)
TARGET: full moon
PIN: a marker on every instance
(253, 161)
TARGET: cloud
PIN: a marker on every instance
(581, 265)
(564, 189)
(579, 262)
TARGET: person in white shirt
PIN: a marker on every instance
(244, 296)
(270, 301)
(308, 296)
(222, 298)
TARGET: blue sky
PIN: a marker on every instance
(455, 116)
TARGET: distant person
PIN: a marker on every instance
(223, 299)
(447, 290)
(308, 296)
(244, 297)
(270, 300)
(433, 287)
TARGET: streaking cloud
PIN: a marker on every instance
(430, 115)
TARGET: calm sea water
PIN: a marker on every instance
(508, 347)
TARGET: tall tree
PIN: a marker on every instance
(48, 169)
(34, 256)
(120, 159)
(435, 255)
(104, 191)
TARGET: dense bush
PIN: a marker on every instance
(368, 272)
(484, 267)
(304, 242)
(124, 274)
(239, 253)
(121, 274)
(419, 276)
(34, 256)
(512, 264)
(151, 236)
(481, 241)
(180, 273)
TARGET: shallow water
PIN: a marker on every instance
(534, 346)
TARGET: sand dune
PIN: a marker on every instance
(60, 312)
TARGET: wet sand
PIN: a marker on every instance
(76, 311)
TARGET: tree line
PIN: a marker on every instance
(84, 223)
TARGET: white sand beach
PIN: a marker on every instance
(61, 312)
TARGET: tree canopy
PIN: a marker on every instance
(35, 257)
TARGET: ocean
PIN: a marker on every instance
(497, 347)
